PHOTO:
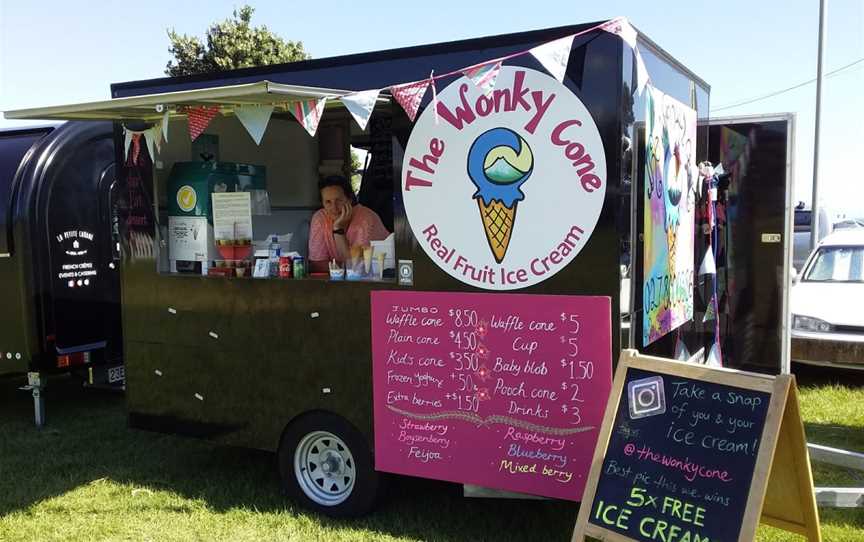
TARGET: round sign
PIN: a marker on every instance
(503, 190)
(187, 198)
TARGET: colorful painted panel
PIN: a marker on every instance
(670, 178)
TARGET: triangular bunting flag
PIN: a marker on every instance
(714, 359)
(642, 76)
(127, 142)
(484, 76)
(149, 140)
(199, 118)
(136, 146)
(166, 117)
(681, 352)
(360, 105)
(254, 118)
(710, 312)
(308, 113)
(157, 132)
(708, 266)
(132, 139)
(410, 95)
(620, 26)
(434, 96)
(554, 56)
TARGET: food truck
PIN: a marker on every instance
(475, 343)
(59, 258)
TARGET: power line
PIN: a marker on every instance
(799, 85)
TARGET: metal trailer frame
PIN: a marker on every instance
(786, 324)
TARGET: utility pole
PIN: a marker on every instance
(814, 206)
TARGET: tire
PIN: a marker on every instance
(326, 464)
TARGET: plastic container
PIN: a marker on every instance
(275, 253)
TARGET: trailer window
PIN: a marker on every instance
(13, 147)
(285, 212)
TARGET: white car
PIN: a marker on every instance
(828, 303)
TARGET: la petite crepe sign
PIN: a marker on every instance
(503, 190)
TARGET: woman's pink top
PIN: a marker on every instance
(365, 226)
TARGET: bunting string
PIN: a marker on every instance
(552, 55)
(511, 56)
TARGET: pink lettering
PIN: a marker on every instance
(436, 149)
(430, 231)
(499, 95)
(591, 182)
(464, 114)
(541, 106)
(575, 151)
(556, 133)
(485, 105)
(584, 160)
(412, 181)
(519, 92)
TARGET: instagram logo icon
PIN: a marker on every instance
(646, 397)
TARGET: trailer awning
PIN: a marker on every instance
(151, 107)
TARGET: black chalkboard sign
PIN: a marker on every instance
(686, 453)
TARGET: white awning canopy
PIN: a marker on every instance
(151, 107)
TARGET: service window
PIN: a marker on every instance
(295, 206)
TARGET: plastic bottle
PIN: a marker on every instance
(274, 255)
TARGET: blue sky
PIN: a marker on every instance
(54, 52)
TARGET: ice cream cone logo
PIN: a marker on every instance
(499, 163)
(476, 156)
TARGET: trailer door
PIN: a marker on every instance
(84, 292)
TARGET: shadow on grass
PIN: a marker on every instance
(810, 375)
(845, 437)
(87, 439)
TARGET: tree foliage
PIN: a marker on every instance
(231, 44)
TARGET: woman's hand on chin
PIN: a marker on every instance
(344, 218)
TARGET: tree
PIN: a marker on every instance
(231, 44)
(356, 174)
(356, 165)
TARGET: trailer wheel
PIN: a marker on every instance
(326, 464)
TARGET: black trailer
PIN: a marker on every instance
(59, 265)
(271, 364)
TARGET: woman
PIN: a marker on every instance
(341, 224)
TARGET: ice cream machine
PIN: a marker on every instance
(190, 214)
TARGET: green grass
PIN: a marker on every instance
(88, 477)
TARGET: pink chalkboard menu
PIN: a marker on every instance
(505, 391)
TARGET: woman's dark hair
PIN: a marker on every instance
(341, 182)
